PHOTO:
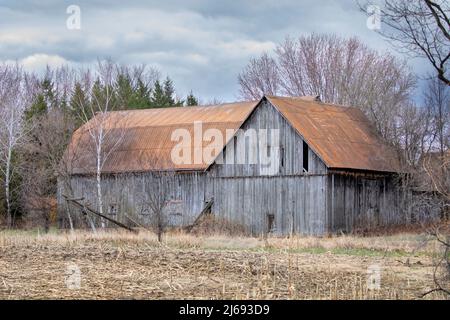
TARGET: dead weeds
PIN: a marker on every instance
(117, 265)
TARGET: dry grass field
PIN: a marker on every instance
(119, 265)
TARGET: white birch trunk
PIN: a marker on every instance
(7, 189)
(99, 178)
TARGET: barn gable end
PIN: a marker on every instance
(264, 118)
(283, 202)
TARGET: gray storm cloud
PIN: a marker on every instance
(201, 44)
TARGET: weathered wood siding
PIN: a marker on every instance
(266, 117)
(297, 203)
(246, 194)
(361, 201)
(129, 194)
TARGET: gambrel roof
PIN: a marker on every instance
(341, 136)
(146, 137)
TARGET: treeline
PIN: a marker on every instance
(136, 87)
(39, 113)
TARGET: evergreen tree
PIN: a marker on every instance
(48, 93)
(158, 98)
(38, 108)
(131, 91)
(124, 91)
(43, 101)
(79, 104)
(191, 100)
(142, 95)
(164, 95)
(169, 92)
(99, 96)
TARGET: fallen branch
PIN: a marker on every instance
(87, 209)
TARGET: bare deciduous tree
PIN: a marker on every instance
(437, 100)
(259, 77)
(441, 272)
(14, 100)
(440, 180)
(438, 173)
(340, 71)
(104, 129)
(42, 153)
(413, 134)
(156, 202)
(420, 28)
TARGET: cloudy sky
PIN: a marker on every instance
(201, 44)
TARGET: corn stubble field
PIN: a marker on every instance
(120, 265)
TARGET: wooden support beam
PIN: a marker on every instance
(135, 222)
(87, 209)
(206, 210)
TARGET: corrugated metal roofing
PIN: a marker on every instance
(341, 136)
(145, 137)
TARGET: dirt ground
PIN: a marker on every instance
(122, 266)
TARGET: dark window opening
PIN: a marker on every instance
(270, 222)
(305, 157)
(282, 156)
(233, 153)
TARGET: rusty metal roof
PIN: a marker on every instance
(145, 137)
(341, 136)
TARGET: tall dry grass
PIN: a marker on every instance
(185, 265)
(399, 244)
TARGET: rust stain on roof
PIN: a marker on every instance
(146, 137)
(341, 136)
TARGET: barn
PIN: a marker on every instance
(279, 165)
